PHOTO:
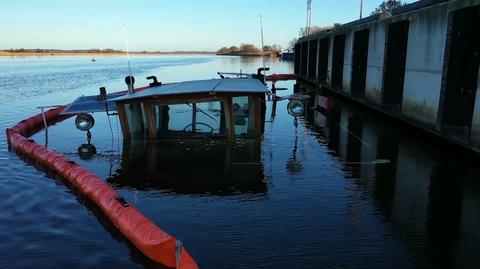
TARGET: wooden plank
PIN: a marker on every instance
(122, 115)
(152, 130)
(256, 114)
(229, 118)
(262, 111)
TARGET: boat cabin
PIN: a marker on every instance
(215, 108)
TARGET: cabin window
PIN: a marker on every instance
(136, 120)
(243, 116)
(226, 117)
(190, 119)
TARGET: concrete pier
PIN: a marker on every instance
(419, 64)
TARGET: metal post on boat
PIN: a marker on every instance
(263, 56)
(45, 125)
(130, 81)
(178, 252)
(194, 118)
(130, 76)
(274, 109)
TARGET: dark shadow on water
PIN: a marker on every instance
(416, 186)
(386, 173)
(192, 167)
(444, 212)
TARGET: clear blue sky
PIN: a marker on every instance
(164, 25)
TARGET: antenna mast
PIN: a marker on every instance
(263, 56)
(309, 17)
(128, 56)
(361, 9)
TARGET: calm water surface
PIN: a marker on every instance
(342, 189)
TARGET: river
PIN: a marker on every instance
(342, 188)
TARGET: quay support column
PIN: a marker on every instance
(347, 64)
(475, 134)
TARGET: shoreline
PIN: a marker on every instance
(253, 54)
(51, 54)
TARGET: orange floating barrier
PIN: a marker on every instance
(143, 233)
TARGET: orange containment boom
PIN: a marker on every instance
(143, 233)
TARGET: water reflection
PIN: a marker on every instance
(354, 144)
(293, 165)
(444, 212)
(420, 194)
(86, 151)
(192, 166)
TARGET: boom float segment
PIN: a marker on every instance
(142, 232)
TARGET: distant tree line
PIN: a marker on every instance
(249, 49)
(387, 6)
(22, 50)
(93, 52)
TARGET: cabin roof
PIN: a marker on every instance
(226, 85)
(92, 103)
